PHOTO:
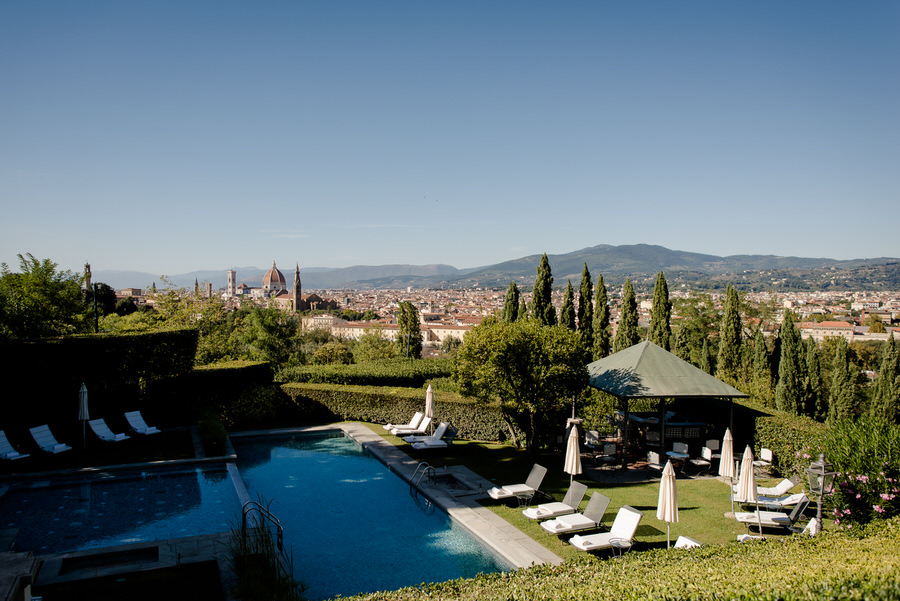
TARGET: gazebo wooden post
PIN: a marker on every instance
(625, 439)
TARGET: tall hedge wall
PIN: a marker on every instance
(325, 402)
(42, 379)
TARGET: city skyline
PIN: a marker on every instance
(180, 136)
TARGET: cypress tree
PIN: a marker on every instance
(886, 398)
(601, 320)
(762, 369)
(661, 314)
(627, 333)
(541, 302)
(409, 333)
(730, 332)
(706, 360)
(511, 304)
(586, 309)
(683, 344)
(789, 390)
(523, 310)
(567, 312)
(815, 404)
(842, 397)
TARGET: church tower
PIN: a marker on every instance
(231, 288)
(297, 300)
(87, 277)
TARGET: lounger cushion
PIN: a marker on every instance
(591, 542)
(547, 510)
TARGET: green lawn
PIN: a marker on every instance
(702, 502)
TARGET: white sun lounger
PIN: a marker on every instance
(46, 441)
(522, 491)
(776, 503)
(7, 451)
(104, 433)
(772, 519)
(433, 442)
(413, 423)
(569, 504)
(576, 522)
(778, 490)
(620, 534)
(137, 423)
(438, 434)
(420, 430)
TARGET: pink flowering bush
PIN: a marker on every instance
(866, 455)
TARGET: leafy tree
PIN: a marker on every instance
(876, 326)
(374, 345)
(601, 320)
(511, 303)
(541, 301)
(40, 301)
(816, 405)
(532, 370)
(842, 400)
(567, 311)
(886, 394)
(333, 353)
(699, 320)
(761, 379)
(126, 306)
(789, 392)
(586, 309)
(106, 299)
(263, 334)
(450, 345)
(409, 334)
(627, 333)
(730, 333)
(661, 314)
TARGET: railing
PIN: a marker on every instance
(423, 470)
(286, 564)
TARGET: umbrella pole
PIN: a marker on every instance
(668, 538)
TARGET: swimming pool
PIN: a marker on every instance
(351, 523)
(111, 508)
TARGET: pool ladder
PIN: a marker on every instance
(423, 470)
(286, 562)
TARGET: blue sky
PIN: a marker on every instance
(174, 136)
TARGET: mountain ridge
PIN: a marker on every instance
(640, 262)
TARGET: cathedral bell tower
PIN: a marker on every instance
(297, 300)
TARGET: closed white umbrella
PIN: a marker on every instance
(573, 454)
(667, 507)
(429, 402)
(746, 486)
(83, 414)
(726, 461)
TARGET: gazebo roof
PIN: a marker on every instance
(646, 370)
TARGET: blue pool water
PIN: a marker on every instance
(116, 508)
(352, 525)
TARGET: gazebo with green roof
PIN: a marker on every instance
(647, 371)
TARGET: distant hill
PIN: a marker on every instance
(640, 262)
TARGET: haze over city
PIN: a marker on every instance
(173, 136)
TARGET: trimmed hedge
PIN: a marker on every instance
(832, 565)
(795, 440)
(382, 405)
(117, 369)
(392, 372)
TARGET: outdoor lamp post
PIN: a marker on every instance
(821, 482)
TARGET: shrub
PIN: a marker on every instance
(866, 455)
(795, 440)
